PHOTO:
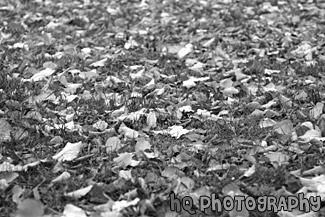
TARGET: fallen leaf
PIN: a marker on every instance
(64, 176)
(178, 131)
(284, 127)
(5, 130)
(311, 134)
(30, 208)
(99, 63)
(267, 122)
(277, 157)
(112, 144)
(249, 172)
(40, 75)
(100, 125)
(79, 193)
(128, 132)
(152, 119)
(142, 145)
(123, 160)
(172, 172)
(185, 51)
(8, 177)
(71, 210)
(119, 205)
(317, 111)
(17, 192)
(69, 152)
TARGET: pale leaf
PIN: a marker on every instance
(118, 112)
(128, 132)
(69, 152)
(125, 174)
(267, 123)
(8, 176)
(178, 131)
(152, 119)
(71, 210)
(311, 134)
(17, 192)
(151, 155)
(185, 51)
(99, 63)
(119, 205)
(284, 127)
(5, 130)
(64, 176)
(40, 75)
(250, 171)
(186, 108)
(278, 157)
(226, 83)
(113, 144)
(317, 111)
(172, 172)
(191, 82)
(134, 116)
(100, 125)
(138, 75)
(123, 160)
(285, 101)
(80, 192)
(30, 208)
(142, 145)
(230, 91)
(8, 167)
(308, 124)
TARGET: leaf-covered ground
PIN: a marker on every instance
(117, 108)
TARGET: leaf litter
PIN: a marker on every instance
(107, 108)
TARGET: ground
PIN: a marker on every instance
(134, 108)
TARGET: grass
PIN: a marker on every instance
(218, 151)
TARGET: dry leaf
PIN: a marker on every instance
(113, 144)
(142, 145)
(317, 111)
(5, 130)
(152, 119)
(69, 152)
(64, 176)
(123, 160)
(80, 192)
(30, 208)
(71, 210)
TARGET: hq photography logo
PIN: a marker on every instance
(240, 202)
